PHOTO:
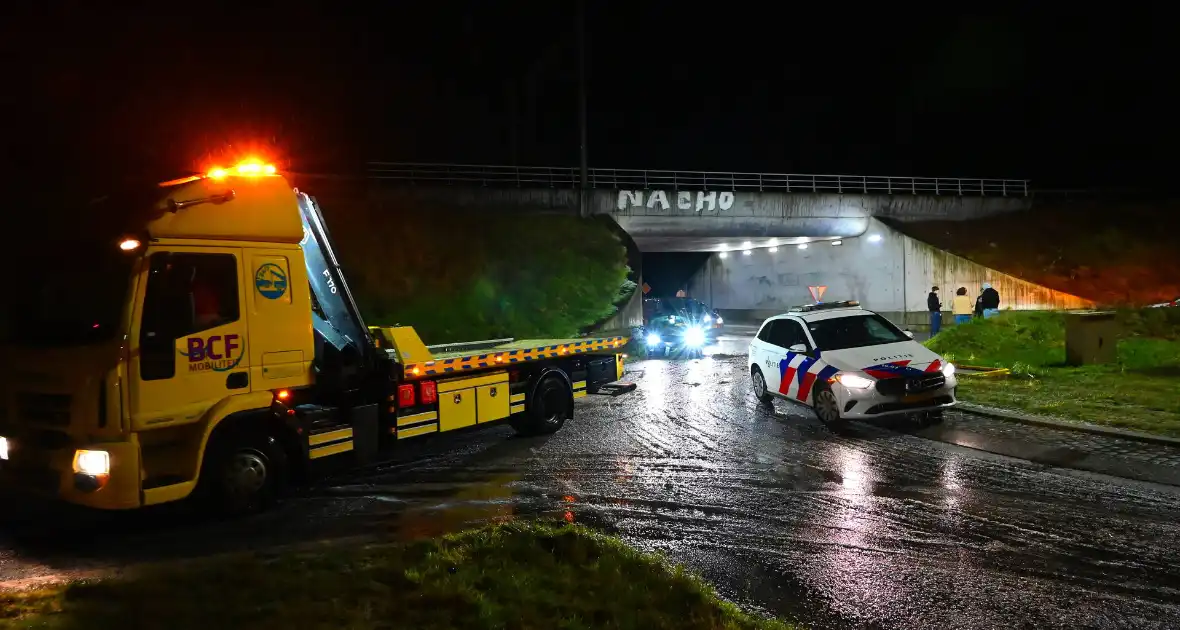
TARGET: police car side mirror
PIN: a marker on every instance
(798, 348)
(909, 333)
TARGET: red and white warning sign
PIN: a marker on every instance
(817, 293)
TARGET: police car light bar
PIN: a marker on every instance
(806, 308)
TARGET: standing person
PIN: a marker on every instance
(962, 307)
(990, 300)
(979, 303)
(935, 307)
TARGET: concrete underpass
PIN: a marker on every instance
(775, 240)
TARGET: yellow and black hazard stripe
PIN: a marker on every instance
(579, 389)
(415, 424)
(508, 357)
(517, 400)
(329, 442)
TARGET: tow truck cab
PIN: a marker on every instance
(236, 359)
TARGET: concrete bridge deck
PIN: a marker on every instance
(708, 211)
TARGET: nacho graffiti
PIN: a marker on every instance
(216, 353)
(700, 201)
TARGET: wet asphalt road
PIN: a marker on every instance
(870, 526)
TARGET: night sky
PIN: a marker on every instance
(98, 97)
(1073, 101)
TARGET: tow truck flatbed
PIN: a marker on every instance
(287, 385)
(418, 362)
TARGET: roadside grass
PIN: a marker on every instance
(516, 575)
(1140, 392)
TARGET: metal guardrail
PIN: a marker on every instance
(627, 179)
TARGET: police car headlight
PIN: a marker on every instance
(653, 339)
(3, 448)
(694, 337)
(708, 319)
(948, 370)
(853, 381)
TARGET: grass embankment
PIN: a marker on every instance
(460, 275)
(508, 576)
(1140, 392)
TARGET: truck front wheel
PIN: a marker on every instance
(548, 409)
(243, 472)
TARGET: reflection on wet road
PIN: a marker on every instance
(870, 526)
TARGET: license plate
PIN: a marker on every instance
(909, 398)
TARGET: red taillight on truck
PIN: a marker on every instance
(428, 393)
(405, 395)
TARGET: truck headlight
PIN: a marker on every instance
(948, 370)
(93, 463)
(853, 381)
(694, 337)
(3, 448)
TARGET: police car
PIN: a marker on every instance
(847, 363)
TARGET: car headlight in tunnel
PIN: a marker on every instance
(694, 337)
(653, 339)
(3, 448)
(948, 370)
(708, 318)
(852, 380)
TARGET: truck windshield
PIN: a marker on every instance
(70, 294)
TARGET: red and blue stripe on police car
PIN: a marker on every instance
(900, 369)
(799, 373)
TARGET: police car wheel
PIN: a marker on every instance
(759, 382)
(827, 408)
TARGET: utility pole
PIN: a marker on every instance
(584, 187)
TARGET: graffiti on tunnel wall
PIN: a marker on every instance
(699, 201)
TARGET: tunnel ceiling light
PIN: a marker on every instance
(837, 243)
(874, 238)
(772, 242)
(747, 245)
(802, 245)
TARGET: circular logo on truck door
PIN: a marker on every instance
(271, 281)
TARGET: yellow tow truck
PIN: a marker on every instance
(233, 361)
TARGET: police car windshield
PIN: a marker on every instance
(856, 331)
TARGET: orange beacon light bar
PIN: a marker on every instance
(245, 168)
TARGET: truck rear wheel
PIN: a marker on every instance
(548, 409)
(243, 472)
